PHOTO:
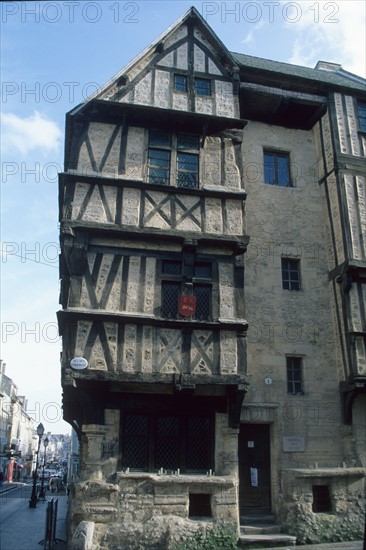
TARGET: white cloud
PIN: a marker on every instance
(27, 134)
(249, 40)
(329, 31)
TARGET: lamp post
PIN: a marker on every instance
(33, 498)
(42, 492)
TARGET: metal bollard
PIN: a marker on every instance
(50, 525)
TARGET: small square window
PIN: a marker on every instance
(290, 274)
(294, 375)
(277, 169)
(202, 86)
(180, 83)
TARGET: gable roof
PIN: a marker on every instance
(251, 68)
(191, 14)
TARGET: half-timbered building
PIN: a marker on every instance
(168, 169)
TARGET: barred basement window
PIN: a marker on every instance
(290, 274)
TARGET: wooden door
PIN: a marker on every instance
(254, 469)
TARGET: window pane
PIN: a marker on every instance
(276, 169)
(167, 443)
(203, 304)
(159, 161)
(187, 142)
(135, 452)
(187, 161)
(198, 443)
(290, 274)
(283, 174)
(202, 86)
(361, 107)
(187, 170)
(172, 267)
(159, 157)
(294, 375)
(187, 180)
(180, 83)
(159, 139)
(203, 270)
(170, 298)
(269, 169)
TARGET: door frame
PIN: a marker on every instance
(264, 502)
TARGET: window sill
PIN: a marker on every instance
(182, 479)
(326, 472)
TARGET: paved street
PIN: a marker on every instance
(21, 527)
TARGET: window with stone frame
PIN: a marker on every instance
(178, 279)
(361, 111)
(290, 274)
(169, 441)
(294, 375)
(277, 168)
(173, 159)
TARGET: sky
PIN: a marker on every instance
(55, 54)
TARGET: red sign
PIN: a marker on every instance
(187, 305)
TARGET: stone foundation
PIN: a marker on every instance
(344, 520)
(150, 511)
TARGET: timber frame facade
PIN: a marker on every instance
(168, 169)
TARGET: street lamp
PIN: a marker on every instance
(42, 492)
(33, 498)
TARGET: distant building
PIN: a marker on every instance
(171, 315)
(17, 442)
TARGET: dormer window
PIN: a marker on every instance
(202, 86)
(180, 83)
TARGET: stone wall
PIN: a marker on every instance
(138, 510)
(345, 519)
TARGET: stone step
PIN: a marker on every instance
(261, 529)
(255, 519)
(265, 541)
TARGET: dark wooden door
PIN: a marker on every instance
(254, 469)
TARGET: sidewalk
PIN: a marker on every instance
(23, 528)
